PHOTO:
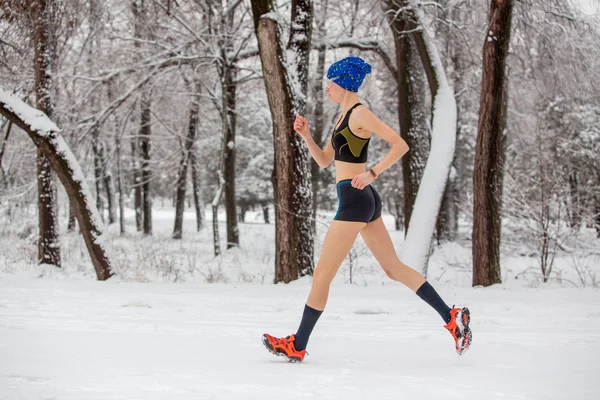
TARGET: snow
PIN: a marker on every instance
(435, 174)
(36, 119)
(111, 340)
(64, 335)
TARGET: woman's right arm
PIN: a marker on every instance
(322, 157)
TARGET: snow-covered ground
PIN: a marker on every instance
(176, 336)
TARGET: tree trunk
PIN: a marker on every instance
(43, 18)
(421, 227)
(108, 185)
(120, 192)
(196, 191)
(229, 93)
(488, 174)
(414, 161)
(137, 184)
(72, 218)
(145, 131)
(447, 223)
(265, 209)
(319, 124)
(185, 159)
(2, 149)
(597, 216)
(575, 204)
(59, 155)
(291, 174)
(96, 145)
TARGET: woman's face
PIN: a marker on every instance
(334, 91)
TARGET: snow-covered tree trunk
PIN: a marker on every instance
(3, 148)
(488, 173)
(43, 20)
(285, 75)
(185, 160)
(319, 119)
(412, 116)
(421, 228)
(44, 134)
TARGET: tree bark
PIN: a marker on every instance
(421, 227)
(59, 155)
(447, 223)
(488, 173)
(108, 185)
(575, 204)
(120, 191)
(185, 160)
(291, 174)
(229, 100)
(43, 16)
(412, 166)
(196, 191)
(98, 172)
(72, 218)
(137, 184)
(319, 124)
(2, 149)
(145, 132)
(597, 216)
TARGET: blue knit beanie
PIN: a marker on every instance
(349, 72)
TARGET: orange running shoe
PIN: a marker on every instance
(283, 347)
(459, 328)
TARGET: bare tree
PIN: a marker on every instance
(186, 152)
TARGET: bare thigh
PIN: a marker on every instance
(378, 240)
(339, 240)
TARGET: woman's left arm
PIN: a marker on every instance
(368, 121)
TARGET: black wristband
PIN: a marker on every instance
(373, 173)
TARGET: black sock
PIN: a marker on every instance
(430, 296)
(309, 320)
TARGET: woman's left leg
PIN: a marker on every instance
(378, 240)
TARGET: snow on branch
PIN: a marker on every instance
(29, 117)
(45, 134)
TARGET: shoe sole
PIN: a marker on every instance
(272, 350)
(465, 319)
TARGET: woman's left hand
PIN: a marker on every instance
(361, 181)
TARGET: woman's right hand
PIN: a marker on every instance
(301, 126)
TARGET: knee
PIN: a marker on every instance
(393, 268)
(322, 277)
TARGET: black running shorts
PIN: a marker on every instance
(357, 205)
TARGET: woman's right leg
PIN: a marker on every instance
(338, 241)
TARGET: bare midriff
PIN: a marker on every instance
(346, 170)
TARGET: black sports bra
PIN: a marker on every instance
(347, 146)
